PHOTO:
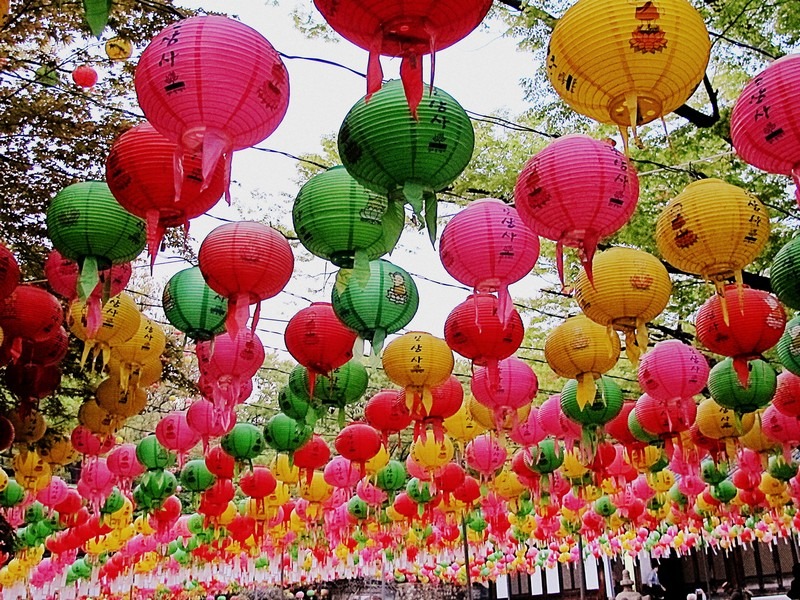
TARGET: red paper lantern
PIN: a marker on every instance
(447, 400)
(42, 353)
(29, 313)
(317, 340)
(748, 331)
(6, 434)
(314, 454)
(575, 192)
(62, 276)
(139, 173)
(9, 272)
(618, 429)
(665, 418)
(409, 30)
(84, 76)
(220, 463)
(387, 412)
(214, 85)
(258, 483)
(787, 394)
(358, 442)
(246, 262)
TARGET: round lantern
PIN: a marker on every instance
(341, 387)
(665, 418)
(314, 454)
(29, 313)
(338, 219)
(719, 423)
(114, 399)
(86, 224)
(246, 262)
(205, 420)
(407, 30)
(487, 247)
(284, 434)
(712, 229)
(514, 387)
(446, 399)
(406, 158)
(727, 389)
(317, 340)
(787, 394)
(174, 433)
(581, 349)
(463, 426)
(119, 321)
(418, 361)
(764, 126)
(673, 369)
(84, 76)
(387, 412)
(789, 346)
(575, 192)
(784, 274)
(139, 172)
(191, 95)
(627, 63)
(630, 288)
(98, 420)
(146, 345)
(118, 48)
(358, 442)
(485, 417)
(606, 404)
(244, 442)
(29, 427)
(62, 276)
(192, 307)
(476, 331)
(486, 455)
(383, 302)
(780, 428)
(9, 272)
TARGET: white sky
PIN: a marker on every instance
(482, 72)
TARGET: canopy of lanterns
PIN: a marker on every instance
(516, 480)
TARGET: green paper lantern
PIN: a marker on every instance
(784, 274)
(357, 508)
(392, 477)
(87, 224)
(781, 469)
(113, 503)
(639, 432)
(727, 390)
(158, 485)
(192, 307)
(677, 496)
(713, 473)
(297, 406)
(338, 219)
(547, 457)
(419, 491)
(34, 513)
(152, 455)
(408, 159)
(284, 434)
(788, 347)
(142, 499)
(606, 405)
(725, 491)
(243, 442)
(12, 495)
(195, 524)
(196, 477)
(383, 303)
(345, 385)
(604, 507)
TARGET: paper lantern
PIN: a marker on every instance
(528, 431)
(404, 158)
(764, 126)
(780, 428)
(485, 417)
(62, 276)
(486, 246)
(29, 313)
(788, 348)
(313, 454)
(31, 383)
(98, 420)
(246, 262)
(387, 412)
(408, 30)
(418, 361)
(514, 387)
(9, 272)
(719, 423)
(630, 288)
(284, 434)
(381, 303)
(727, 390)
(124, 403)
(785, 273)
(119, 321)
(485, 455)
(118, 48)
(787, 394)
(343, 386)
(446, 400)
(86, 224)
(575, 192)
(476, 331)
(146, 345)
(84, 76)
(139, 172)
(188, 91)
(338, 219)
(174, 433)
(430, 453)
(205, 420)
(581, 349)
(192, 307)
(244, 442)
(673, 369)
(712, 229)
(601, 409)
(627, 63)
(358, 442)
(665, 418)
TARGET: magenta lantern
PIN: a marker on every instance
(387, 412)
(665, 418)
(787, 394)
(777, 426)
(485, 455)
(139, 174)
(317, 340)
(673, 369)
(9, 272)
(575, 192)
(173, 432)
(528, 432)
(124, 465)
(408, 30)
(358, 442)
(765, 122)
(207, 422)
(341, 473)
(97, 481)
(515, 386)
(246, 262)
(87, 443)
(554, 422)
(211, 85)
(488, 247)
(54, 493)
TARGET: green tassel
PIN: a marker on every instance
(97, 15)
(378, 338)
(89, 278)
(413, 193)
(361, 270)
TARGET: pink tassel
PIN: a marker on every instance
(238, 313)
(586, 251)
(411, 75)
(505, 304)
(256, 317)
(94, 316)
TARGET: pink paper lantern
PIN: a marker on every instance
(371, 494)
(62, 276)
(576, 192)
(665, 418)
(214, 85)
(777, 426)
(207, 422)
(414, 469)
(97, 479)
(673, 369)
(765, 122)
(87, 443)
(554, 422)
(528, 432)
(341, 473)
(173, 432)
(55, 492)
(124, 465)
(514, 388)
(485, 455)
(488, 247)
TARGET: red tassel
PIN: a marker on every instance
(560, 261)
(411, 75)
(155, 233)
(374, 70)
(238, 313)
(586, 251)
(742, 368)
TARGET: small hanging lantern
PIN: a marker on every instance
(628, 63)
(407, 30)
(513, 388)
(575, 192)
(630, 288)
(673, 369)
(358, 442)
(407, 159)
(118, 48)
(119, 322)
(84, 76)
(789, 346)
(145, 346)
(712, 229)
(192, 307)
(784, 274)
(387, 412)
(728, 390)
(583, 350)
(592, 415)
(29, 313)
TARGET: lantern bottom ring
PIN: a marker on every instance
(647, 109)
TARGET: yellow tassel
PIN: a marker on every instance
(631, 349)
(586, 389)
(427, 399)
(642, 337)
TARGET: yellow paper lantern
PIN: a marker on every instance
(29, 427)
(318, 490)
(118, 48)
(279, 496)
(58, 451)
(627, 63)
(755, 439)
(463, 426)
(142, 526)
(430, 454)
(418, 361)
(96, 545)
(119, 321)
(97, 419)
(283, 470)
(581, 349)
(143, 375)
(30, 469)
(3, 480)
(572, 467)
(713, 229)
(643, 459)
(507, 485)
(121, 518)
(377, 462)
(720, 423)
(147, 562)
(630, 288)
(228, 515)
(771, 486)
(662, 481)
(124, 403)
(485, 417)
(145, 346)
(779, 500)
(392, 513)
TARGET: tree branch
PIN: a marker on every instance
(694, 116)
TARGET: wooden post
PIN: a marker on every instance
(581, 568)
(468, 595)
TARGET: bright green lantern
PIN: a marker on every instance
(338, 219)
(384, 303)
(784, 274)
(158, 485)
(244, 442)
(727, 390)
(152, 455)
(606, 405)
(192, 307)
(284, 434)
(196, 477)
(87, 224)
(389, 151)
(788, 347)
(639, 432)
(345, 385)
